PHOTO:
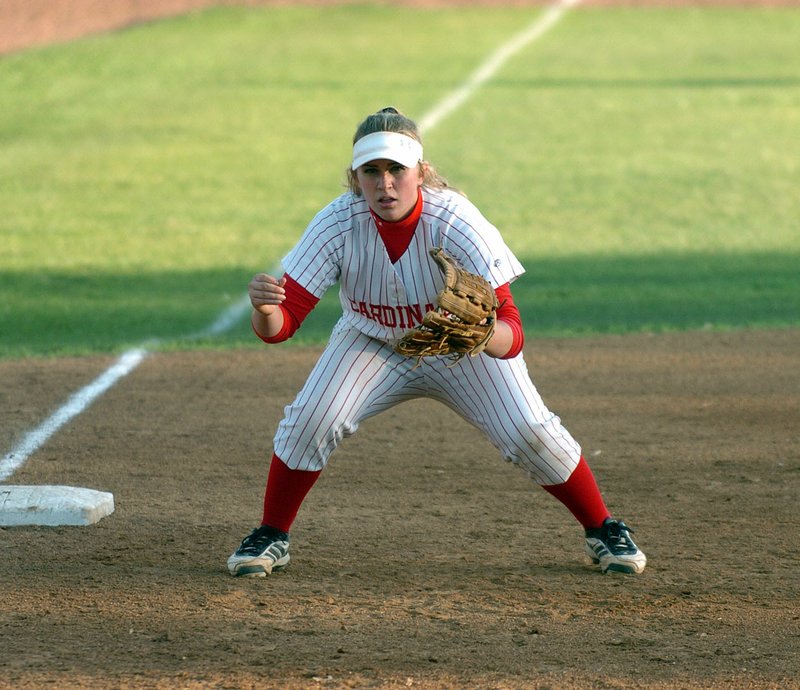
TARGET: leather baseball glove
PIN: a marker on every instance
(462, 322)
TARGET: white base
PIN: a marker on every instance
(52, 505)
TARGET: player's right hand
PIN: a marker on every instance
(266, 293)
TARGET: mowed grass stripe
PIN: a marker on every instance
(150, 172)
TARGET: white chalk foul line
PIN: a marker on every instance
(76, 404)
(83, 398)
(494, 62)
(227, 319)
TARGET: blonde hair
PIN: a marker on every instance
(392, 120)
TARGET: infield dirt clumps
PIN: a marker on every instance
(420, 559)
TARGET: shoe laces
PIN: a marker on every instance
(261, 537)
(617, 532)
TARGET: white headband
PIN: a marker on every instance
(390, 145)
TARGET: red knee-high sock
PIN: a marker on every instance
(286, 489)
(582, 496)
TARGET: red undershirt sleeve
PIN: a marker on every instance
(509, 313)
(298, 304)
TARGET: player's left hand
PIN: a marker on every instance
(464, 320)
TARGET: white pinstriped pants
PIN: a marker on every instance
(357, 377)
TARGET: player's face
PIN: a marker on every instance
(389, 188)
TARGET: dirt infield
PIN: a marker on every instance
(431, 567)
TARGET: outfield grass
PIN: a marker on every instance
(643, 164)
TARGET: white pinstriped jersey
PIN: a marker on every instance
(381, 299)
(359, 375)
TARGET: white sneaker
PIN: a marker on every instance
(612, 548)
(265, 549)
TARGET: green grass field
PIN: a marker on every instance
(643, 164)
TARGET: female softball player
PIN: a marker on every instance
(374, 240)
